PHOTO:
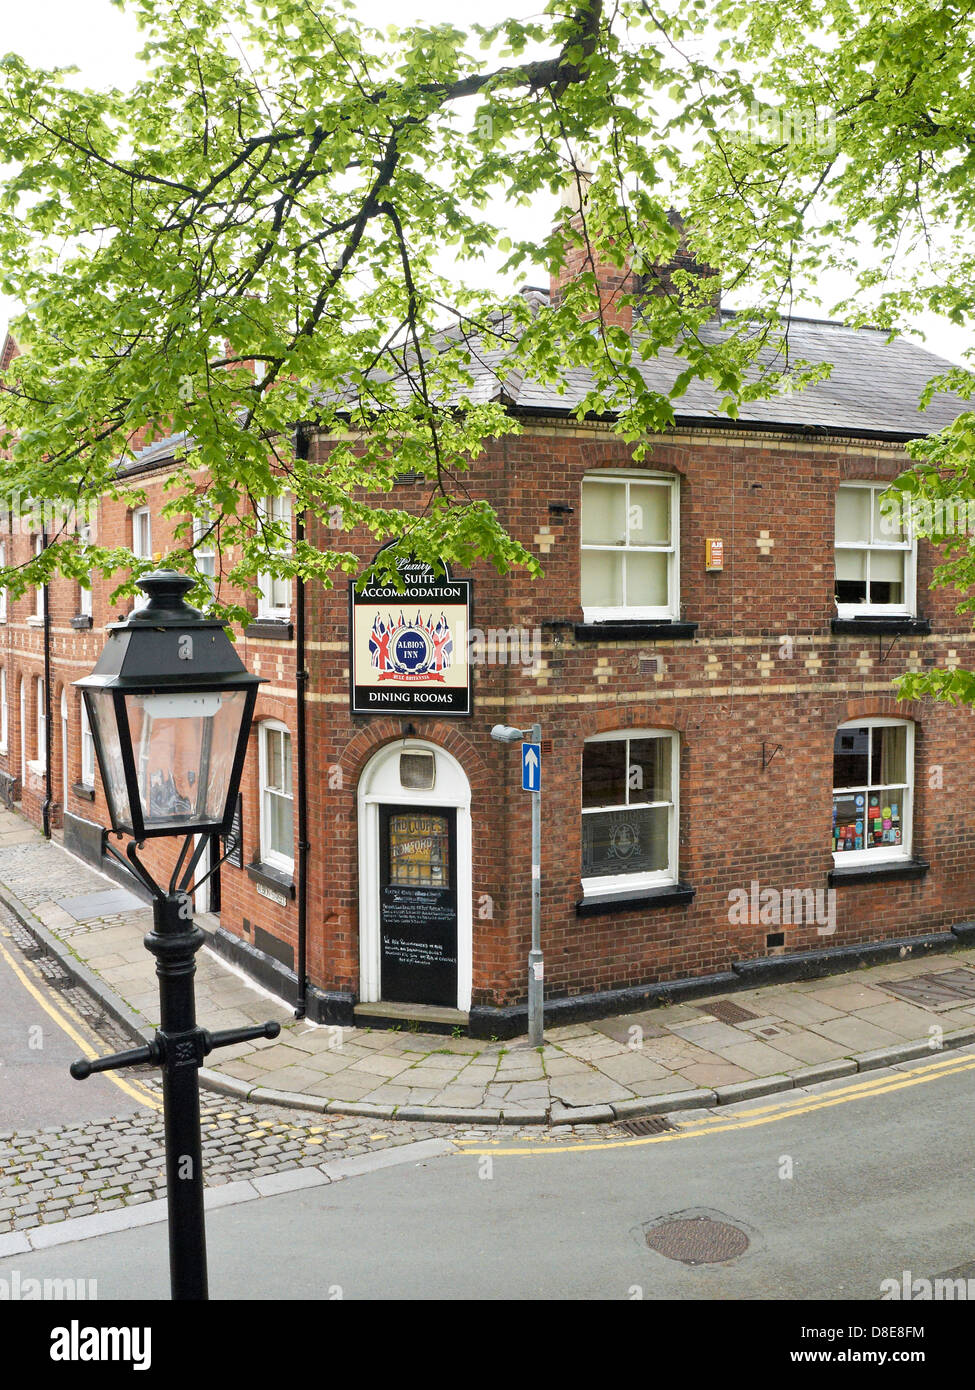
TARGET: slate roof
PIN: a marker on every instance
(873, 388)
(872, 391)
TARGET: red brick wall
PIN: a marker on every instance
(726, 691)
(738, 822)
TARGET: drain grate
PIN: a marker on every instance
(726, 1011)
(697, 1240)
(647, 1124)
(944, 989)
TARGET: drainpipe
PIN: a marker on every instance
(301, 683)
(46, 808)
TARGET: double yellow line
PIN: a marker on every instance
(779, 1109)
(69, 1021)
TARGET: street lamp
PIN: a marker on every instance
(170, 705)
(505, 733)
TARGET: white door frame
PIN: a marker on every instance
(64, 749)
(23, 737)
(379, 785)
(201, 894)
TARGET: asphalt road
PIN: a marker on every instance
(835, 1191)
(40, 1036)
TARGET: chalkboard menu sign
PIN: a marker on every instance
(233, 844)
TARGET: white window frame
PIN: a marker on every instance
(22, 699)
(40, 726)
(3, 591)
(884, 853)
(87, 749)
(139, 515)
(272, 857)
(907, 547)
(272, 509)
(205, 551)
(4, 713)
(84, 594)
(64, 749)
(671, 610)
(37, 617)
(614, 883)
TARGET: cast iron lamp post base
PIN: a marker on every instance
(179, 1047)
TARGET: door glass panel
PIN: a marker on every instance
(419, 850)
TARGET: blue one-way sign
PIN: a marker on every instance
(531, 767)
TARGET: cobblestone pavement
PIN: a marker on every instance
(699, 1052)
(56, 1172)
(76, 1170)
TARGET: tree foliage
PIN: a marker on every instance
(280, 184)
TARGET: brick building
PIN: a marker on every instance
(727, 779)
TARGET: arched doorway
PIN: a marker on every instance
(415, 886)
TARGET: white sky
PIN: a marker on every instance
(100, 40)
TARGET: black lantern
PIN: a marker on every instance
(170, 706)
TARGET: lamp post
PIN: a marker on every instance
(170, 706)
(504, 733)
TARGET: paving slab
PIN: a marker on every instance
(798, 1031)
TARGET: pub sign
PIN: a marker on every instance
(409, 647)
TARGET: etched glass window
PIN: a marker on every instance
(419, 850)
(629, 809)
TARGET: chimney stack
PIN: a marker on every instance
(613, 282)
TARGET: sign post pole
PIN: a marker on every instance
(532, 779)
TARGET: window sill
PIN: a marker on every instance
(271, 629)
(639, 631)
(34, 621)
(874, 873)
(37, 768)
(668, 895)
(881, 627)
(81, 622)
(84, 792)
(277, 879)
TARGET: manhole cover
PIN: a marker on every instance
(726, 1011)
(943, 989)
(647, 1124)
(697, 1240)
